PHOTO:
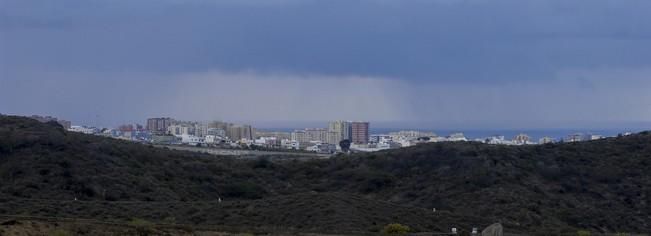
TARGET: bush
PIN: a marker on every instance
(395, 229)
(262, 162)
(143, 227)
(246, 190)
(376, 182)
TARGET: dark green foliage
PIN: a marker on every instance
(262, 162)
(345, 145)
(602, 185)
(395, 230)
(245, 190)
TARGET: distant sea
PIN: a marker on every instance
(472, 134)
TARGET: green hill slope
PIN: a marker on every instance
(602, 185)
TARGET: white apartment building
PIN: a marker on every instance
(522, 139)
(596, 137)
(213, 139)
(82, 129)
(307, 135)
(290, 144)
(456, 137)
(192, 140)
(545, 140)
(412, 134)
(180, 129)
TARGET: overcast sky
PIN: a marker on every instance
(436, 63)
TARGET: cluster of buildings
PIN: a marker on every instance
(327, 140)
(166, 130)
(524, 139)
(353, 135)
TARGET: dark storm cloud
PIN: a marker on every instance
(471, 40)
(457, 54)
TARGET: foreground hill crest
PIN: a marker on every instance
(602, 185)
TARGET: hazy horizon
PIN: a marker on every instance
(275, 125)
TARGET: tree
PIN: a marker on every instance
(345, 145)
(395, 229)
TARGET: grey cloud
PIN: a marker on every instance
(589, 98)
(418, 40)
(283, 97)
(612, 97)
(444, 62)
(210, 96)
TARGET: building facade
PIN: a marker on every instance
(180, 129)
(359, 132)
(216, 132)
(412, 134)
(521, 139)
(545, 140)
(341, 128)
(159, 125)
(239, 132)
(277, 134)
(308, 135)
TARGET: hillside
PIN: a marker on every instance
(603, 185)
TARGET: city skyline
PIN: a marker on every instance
(335, 131)
(328, 140)
(382, 125)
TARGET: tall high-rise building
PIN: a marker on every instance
(234, 132)
(343, 128)
(333, 137)
(158, 125)
(238, 132)
(359, 132)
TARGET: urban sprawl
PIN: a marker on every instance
(337, 136)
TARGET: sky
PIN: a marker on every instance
(420, 63)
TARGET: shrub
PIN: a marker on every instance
(262, 162)
(376, 182)
(245, 190)
(142, 227)
(395, 229)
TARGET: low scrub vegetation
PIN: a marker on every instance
(395, 230)
(601, 186)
